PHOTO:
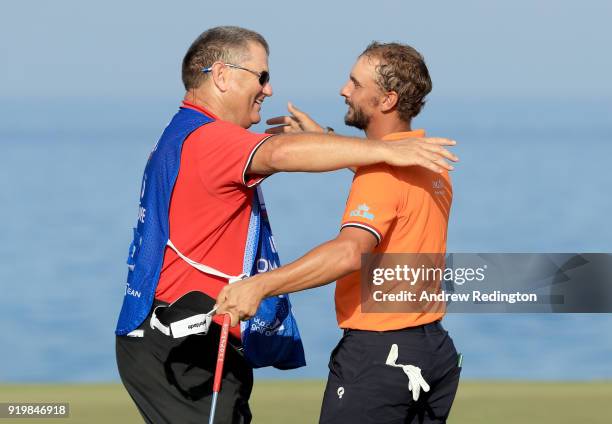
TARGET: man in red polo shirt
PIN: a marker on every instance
(226, 77)
(389, 210)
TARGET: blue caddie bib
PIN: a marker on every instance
(151, 234)
(274, 320)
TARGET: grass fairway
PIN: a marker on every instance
(297, 402)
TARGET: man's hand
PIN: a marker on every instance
(298, 121)
(426, 152)
(240, 300)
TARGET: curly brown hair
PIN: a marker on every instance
(225, 43)
(401, 69)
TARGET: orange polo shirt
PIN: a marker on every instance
(407, 210)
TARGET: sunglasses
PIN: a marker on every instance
(264, 76)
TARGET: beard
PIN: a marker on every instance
(356, 117)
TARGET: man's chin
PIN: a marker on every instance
(355, 120)
(255, 119)
(348, 119)
(350, 123)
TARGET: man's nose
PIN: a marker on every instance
(267, 89)
(344, 91)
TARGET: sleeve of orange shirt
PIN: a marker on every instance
(372, 203)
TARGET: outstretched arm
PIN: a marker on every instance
(320, 266)
(303, 145)
(316, 152)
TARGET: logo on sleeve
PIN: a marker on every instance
(438, 186)
(362, 212)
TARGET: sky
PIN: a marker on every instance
(474, 48)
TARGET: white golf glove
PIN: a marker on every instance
(416, 382)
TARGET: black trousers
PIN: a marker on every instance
(171, 380)
(361, 388)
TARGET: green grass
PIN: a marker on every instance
(477, 402)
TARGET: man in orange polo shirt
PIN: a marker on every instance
(389, 210)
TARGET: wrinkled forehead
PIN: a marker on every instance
(364, 69)
(256, 55)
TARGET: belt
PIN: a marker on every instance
(432, 327)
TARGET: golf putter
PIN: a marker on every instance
(219, 368)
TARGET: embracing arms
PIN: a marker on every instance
(320, 152)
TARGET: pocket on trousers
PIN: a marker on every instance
(348, 362)
(332, 357)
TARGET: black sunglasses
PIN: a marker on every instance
(264, 76)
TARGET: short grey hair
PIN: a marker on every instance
(224, 43)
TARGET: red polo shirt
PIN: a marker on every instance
(210, 208)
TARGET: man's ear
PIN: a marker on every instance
(389, 101)
(220, 76)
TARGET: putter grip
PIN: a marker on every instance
(221, 354)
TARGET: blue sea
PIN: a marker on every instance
(534, 177)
